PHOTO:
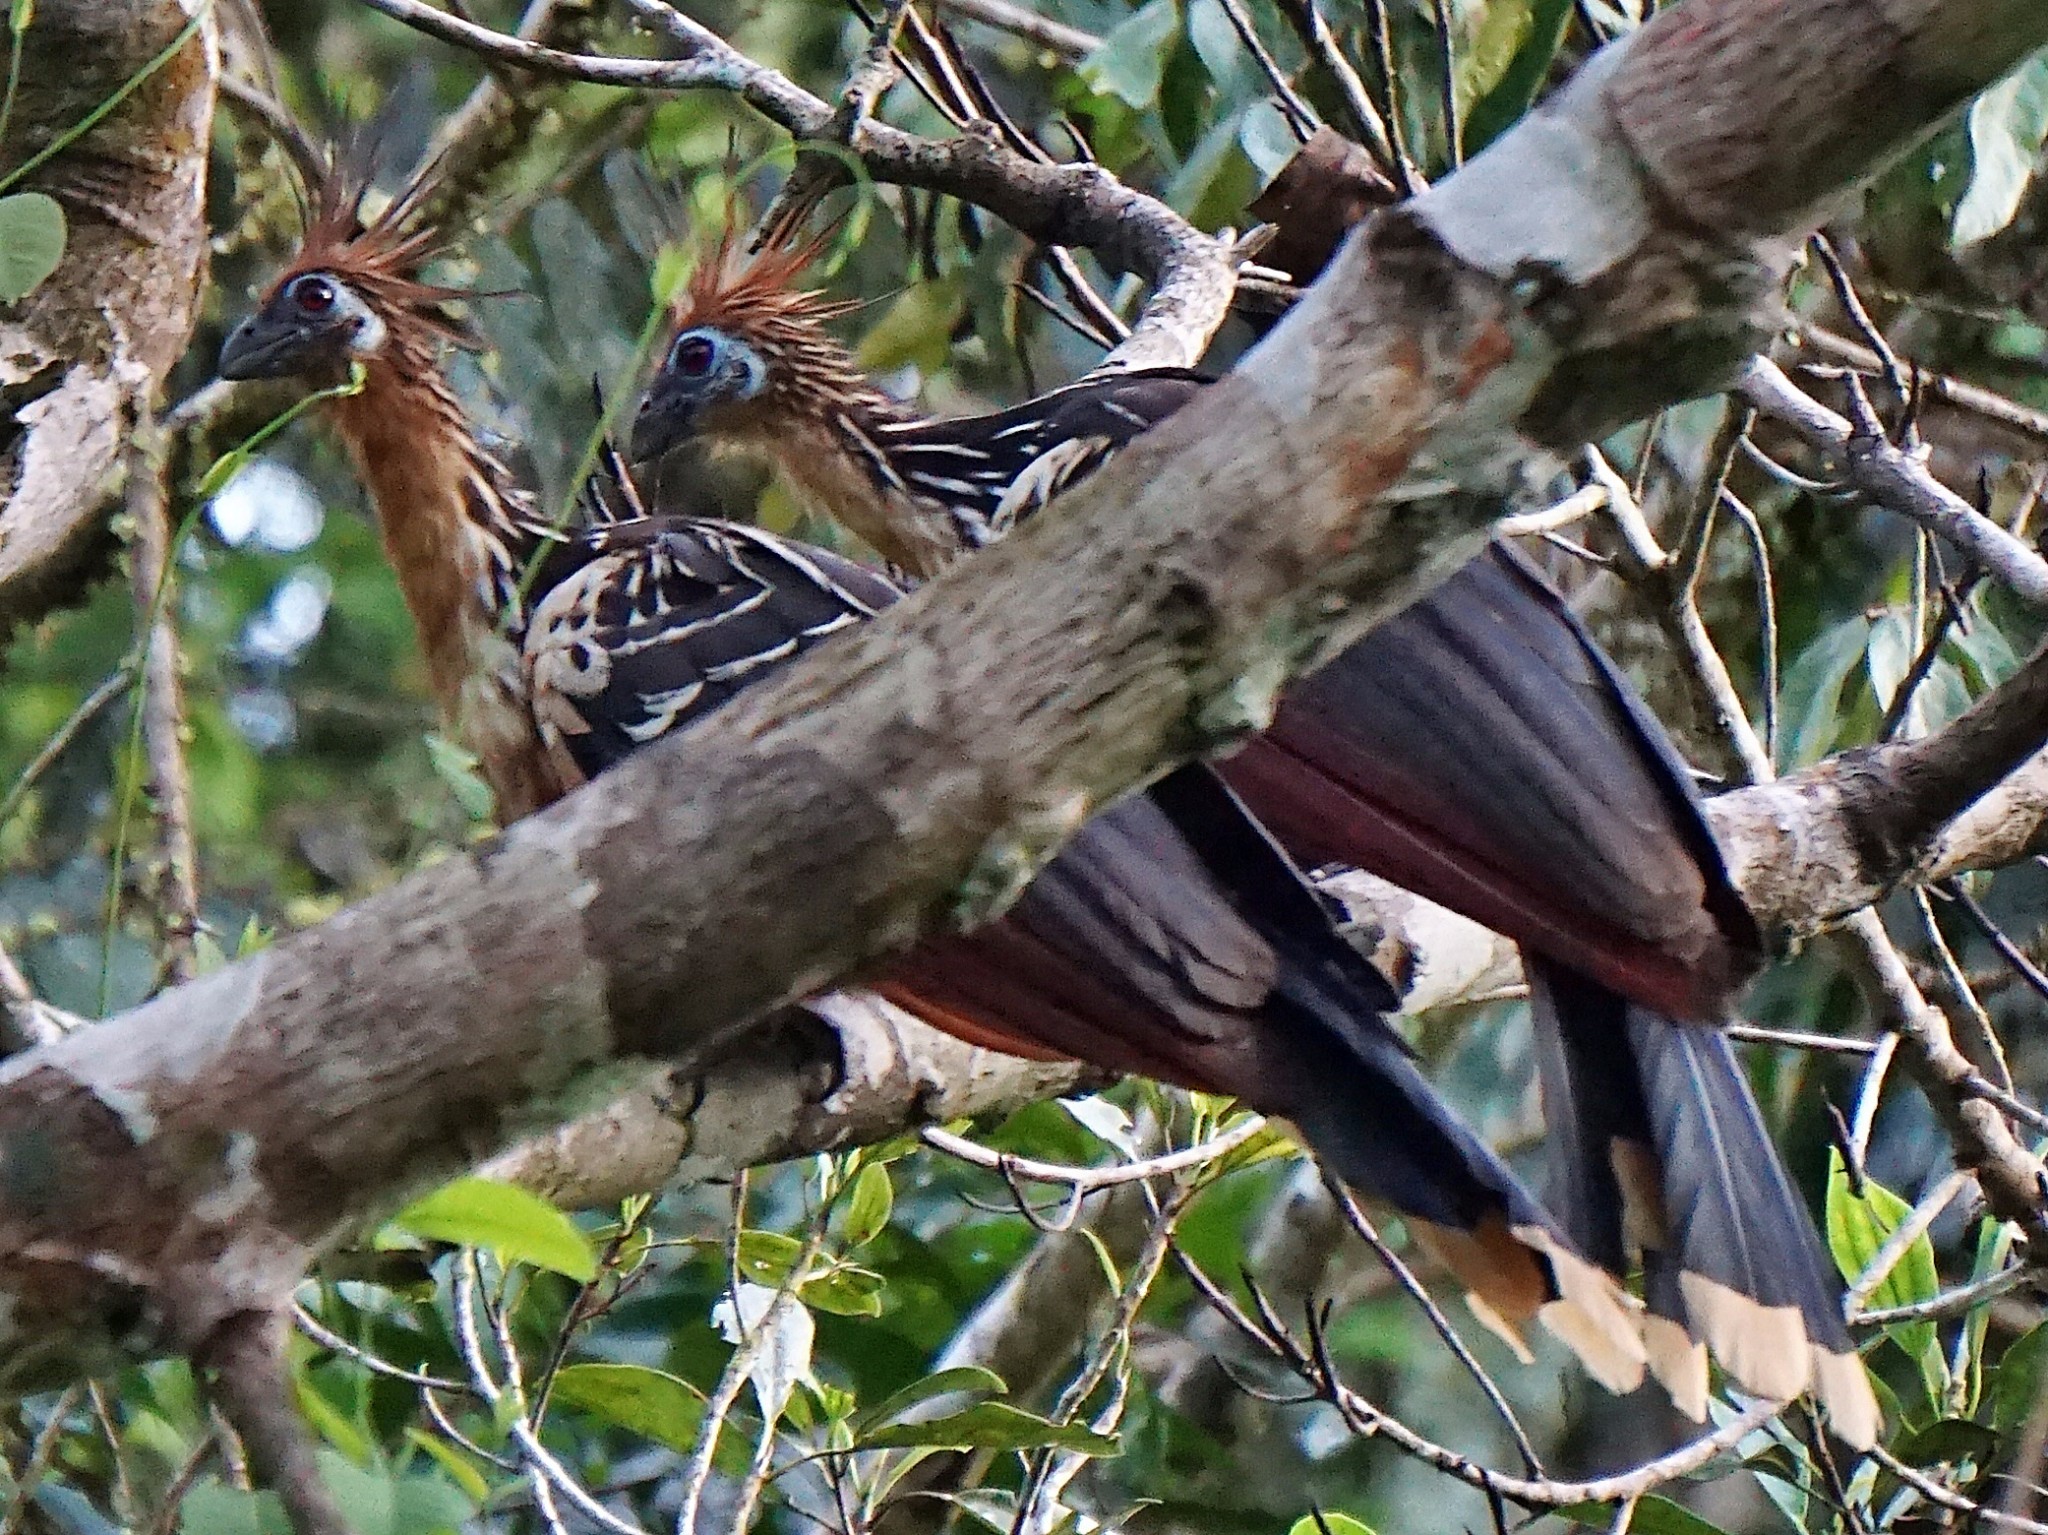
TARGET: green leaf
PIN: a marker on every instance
(1329, 1524)
(1215, 40)
(456, 766)
(2008, 125)
(1132, 59)
(31, 243)
(766, 1257)
(992, 1426)
(864, 1214)
(214, 1508)
(1857, 1230)
(367, 1499)
(2017, 1385)
(1502, 96)
(426, 1505)
(847, 1290)
(333, 1425)
(961, 1378)
(519, 1227)
(21, 16)
(453, 1461)
(650, 1403)
(1652, 1516)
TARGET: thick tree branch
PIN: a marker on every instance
(1080, 204)
(913, 773)
(95, 342)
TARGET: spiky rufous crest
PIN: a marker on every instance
(753, 296)
(380, 255)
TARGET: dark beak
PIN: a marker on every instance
(665, 419)
(259, 349)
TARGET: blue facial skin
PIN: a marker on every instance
(704, 367)
(313, 325)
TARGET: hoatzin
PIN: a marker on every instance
(1170, 938)
(1479, 749)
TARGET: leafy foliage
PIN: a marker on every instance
(809, 1339)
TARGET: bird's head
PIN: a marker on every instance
(352, 293)
(749, 355)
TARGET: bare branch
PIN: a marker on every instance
(1895, 478)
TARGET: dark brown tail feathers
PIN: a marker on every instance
(1662, 1154)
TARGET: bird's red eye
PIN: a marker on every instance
(313, 294)
(693, 356)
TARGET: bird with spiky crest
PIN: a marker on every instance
(1170, 938)
(1479, 749)
(457, 527)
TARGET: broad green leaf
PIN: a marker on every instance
(650, 1403)
(1499, 103)
(1857, 1231)
(1810, 702)
(1329, 1524)
(766, 1257)
(1889, 656)
(427, 1505)
(2017, 1386)
(1266, 139)
(519, 1227)
(31, 243)
(1652, 1516)
(845, 1290)
(1215, 40)
(214, 1508)
(1132, 58)
(2008, 125)
(962, 1379)
(367, 1498)
(992, 1426)
(864, 1213)
(453, 1461)
(334, 1425)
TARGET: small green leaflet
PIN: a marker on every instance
(1330, 1524)
(519, 1227)
(1132, 59)
(2008, 125)
(992, 1426)
(650, 1403)
(32, 237)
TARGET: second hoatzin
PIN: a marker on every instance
(1478, 748)
(1171, 937)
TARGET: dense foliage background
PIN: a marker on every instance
(319, 776)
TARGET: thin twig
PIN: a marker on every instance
(1949, 1302)
(1948, 1498)
(41, 1450)
(1974, 398)
(1363, 116)
(1405, 1278)
(1089, 1179)
(1533, 1493)
(1893, 477)
(1069, 44)
(90, 708)
(1447, 83)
